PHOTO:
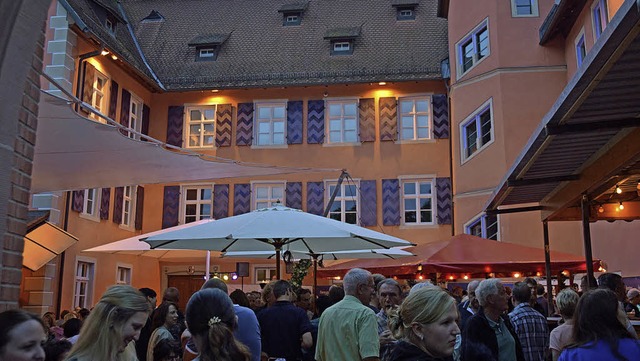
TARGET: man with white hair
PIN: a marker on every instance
(488, 335)
(348, 329)
(471, 306)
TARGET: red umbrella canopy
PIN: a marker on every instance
(465, 253)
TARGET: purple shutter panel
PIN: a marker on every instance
(105, 197)
(78, 201)
(144, 129)
(113, 100)
(440, 116)
(170, 206)
(118, 198)
(368, 203)
(293, 195)
(294, 122)
(139, 208)
(367, 120)
(241, 198)
(315, 198)
(220, 201)
(223, 125)
(390, 202)
(388, 118)
(244, 124)
(174, 125)
(87, 86)
(315, 122)
(125, 109)
(445, 204)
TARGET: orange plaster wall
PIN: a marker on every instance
(614, 243)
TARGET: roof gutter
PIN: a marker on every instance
(76, 18)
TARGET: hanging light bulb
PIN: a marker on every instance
(601, 209)
(618, 189)
(621, 206)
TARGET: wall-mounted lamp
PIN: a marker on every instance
(104, 52)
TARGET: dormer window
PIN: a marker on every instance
(406, 14)
(110, 25)
(292, 13)
(208, 46)
(405, 9)
(107, 15)
(342, 47)
(208, 53)
(342, 40)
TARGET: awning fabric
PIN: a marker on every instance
(464, 254)
(43, 242)
(73, 152)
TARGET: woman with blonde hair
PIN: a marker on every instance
(114, 322)
(425, 326)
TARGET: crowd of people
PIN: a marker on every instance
(367, 317)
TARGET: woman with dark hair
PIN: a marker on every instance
(56, 350)
(164, 317)
(166, 350)
(211, 321)
(598, 334)
(239, 298)
(21, 336)
(71, 329)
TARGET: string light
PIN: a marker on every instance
(601, 209)
(618, 189)
(466, 277)
(516, 275)
(621, 206)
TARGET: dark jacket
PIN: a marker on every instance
(406, 351)
(479, 341)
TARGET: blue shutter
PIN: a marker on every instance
(244, 124)
(294, 122)
(445, 205)
(78, 201)
(220, 201)
(118, 198)
(367, 120)
(223, 125)
(440, 116)
(105, 197)
(315, 122)
(315, 198)
(139, 208)
(368, 203)
(170, 206)
(241, 198)
(390, 202)
(125, 109)
(293, 195)
(144, 129)
(388, 118)
(174, 125)
(113, 100)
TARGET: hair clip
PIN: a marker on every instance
(213, 320)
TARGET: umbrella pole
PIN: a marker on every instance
(207, 266)
(278, 262)
(315, 276)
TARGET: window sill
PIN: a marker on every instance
(415, 141)
(419, 226)
(126, 228)
(90, 217)
(345, 144)
(213, 147)
(274, 146)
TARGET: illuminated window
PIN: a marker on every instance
(200, 126)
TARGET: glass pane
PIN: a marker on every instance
(350, 109)
(195, 115)
(423, 133)
(409, 205)
(209, 114)
(336, 216)
(350, 190)
(99, 83)
(350, 124)
(335, 207)
(406, 122)
(262, 205)
(189, 219)
(425, 188)
(278, 138)
(264, 113)
(423, 121)
(262, 192)
(208, 129)
(264, 127)
(422, 106)
(134, 108)
(278, 112)
(205, 210)
(332, 189)
(335, 124)
(192, 194)
(410, 217)
(207, 140)
(205, 194)
(485, 127)
(334, 137)
(491, 223)
(467, 55)
(425, 203)
(407, 133)
(409, 188)
(277, 193)
(194, 129)
(351, 218)
(190, 209)
(483, 43)
(426, 217)
(335, 110)
(406, 106)
(471, 138)
(350, 206)
(278, 127)
(263, 139)
(350, 136)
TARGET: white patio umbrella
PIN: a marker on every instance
(271, 229)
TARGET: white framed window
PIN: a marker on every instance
(415, 118)
(264, 274)
(99, 96)
(267, 194)
(135, 116)
(84, 282)
(123, 274)
(418, 205)
(485, 226)
(581, 48)
(270, 123)
(599, 17)
(343, 121)
(341, 46)
(405, 14)
(207, 52)
(477, 131)
(196, 203)
(201, 122)
(91, 206)
(473, 48)
(128, 206)
(291, 19)
(345, 206)
(524, 8)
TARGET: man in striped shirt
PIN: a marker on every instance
(530, 326)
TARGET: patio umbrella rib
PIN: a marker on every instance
(162, 244)
(370, 241)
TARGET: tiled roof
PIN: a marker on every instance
(400, 3)
(261, 52)
(291, 7)
(342, 33)
(208, 39)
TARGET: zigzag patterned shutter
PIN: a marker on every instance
(315, 198)
(174, 125)
(241, 198)
(315, 122)
(294, 122)
(440, 116)
(367, 120)
(223, 125)
(244, 124)
(125, 109)
(388, 118)
(113, 100)
(78, 201)
(293, 195)
(170, 206)
(139, 208)
(118, 197)
(105, 197)
(146, 114)
(443, 192)
(368, 203)
(220, 201)
(391, 202)
(87, 86)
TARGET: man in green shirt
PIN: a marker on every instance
(348, 330)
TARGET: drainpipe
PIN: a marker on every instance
(65, 225)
